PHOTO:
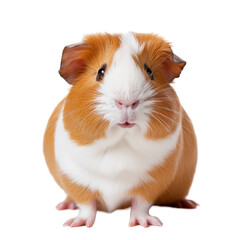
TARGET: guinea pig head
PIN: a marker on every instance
(123, 82)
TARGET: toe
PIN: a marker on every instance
(62, 206)
(154, 221)
(72, 206)
(189, 204)
(69, 222)
(133, 222)
(78, 222)
(143, 222)
(66, 205)
(89, 223)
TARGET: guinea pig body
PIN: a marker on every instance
(121, 137)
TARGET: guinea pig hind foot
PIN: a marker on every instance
(86, 216)
(185, 203)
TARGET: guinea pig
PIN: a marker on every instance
(121, 138)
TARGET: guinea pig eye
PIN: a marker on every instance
(148, 71)
(101, 72)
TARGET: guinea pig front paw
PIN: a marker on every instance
(86, 216)
(140, 214)
(79, 222)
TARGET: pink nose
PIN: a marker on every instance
(121, 104)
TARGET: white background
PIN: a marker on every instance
(33, 34)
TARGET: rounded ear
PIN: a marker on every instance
(172, 67)
(72, 62)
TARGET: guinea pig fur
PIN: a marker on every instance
(121, 138)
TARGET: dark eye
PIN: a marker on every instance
(101, 72)
(148, 71)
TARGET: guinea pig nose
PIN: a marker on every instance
(121, 104)
(135, 104)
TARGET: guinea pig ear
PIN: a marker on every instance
(172, 67)
(72, 62)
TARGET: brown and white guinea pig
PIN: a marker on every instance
(121, 138)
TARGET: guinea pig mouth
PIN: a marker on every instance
(126, 125)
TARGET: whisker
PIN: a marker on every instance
(163, 85)
(165, 116)
(159, 89)
(180, 113)
(94, 119)
(162, 91)
(165, 98)
(187, 133)
(70, 113)
(81, 120)
(172, 120)
(161, 122)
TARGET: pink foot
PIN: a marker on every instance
(189, 204)
(86, 216)
(66, 205)
(79, 222)
(140, 214)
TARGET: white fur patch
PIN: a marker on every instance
(112, 165)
